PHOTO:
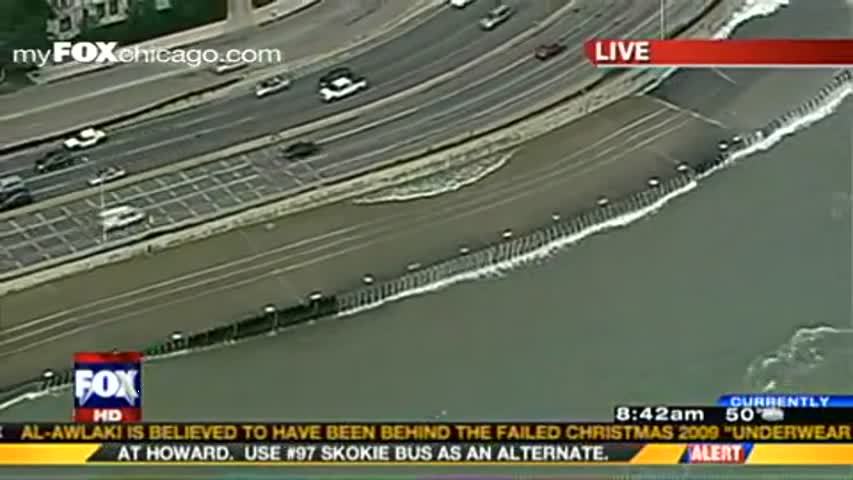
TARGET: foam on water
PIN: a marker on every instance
(751, 9)
(524, 258)
(794, 361)
(767, 372)
(443, 182)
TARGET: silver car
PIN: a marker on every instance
(496, 17)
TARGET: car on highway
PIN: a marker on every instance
(14, 193)
(343, 87)
(272, 85)
(550, 50)
(496, 16)
(53, 161)
(300, 150)
(107, 175)
(121, 216)
(223, 66)
(85, 139)
(331, 76)
(460, 3)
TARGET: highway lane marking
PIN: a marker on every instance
(42, 223)
(181, 138)
(495, 198)
(482, 80)
(87, 96)
(387, 119)
(369, 126)
(512, 39)
(167, 188)
(83, 160)
(176, 282)
(429, 119)
(689, 112)
(500, 198)
(179, 200)
(203, 118)
(725, 77)
(182, 279)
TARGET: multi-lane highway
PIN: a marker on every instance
(331, 26)
(478, 96)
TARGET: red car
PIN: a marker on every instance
(544, 52)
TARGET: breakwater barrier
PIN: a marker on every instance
(523, 248)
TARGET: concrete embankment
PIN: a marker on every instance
(500, 254)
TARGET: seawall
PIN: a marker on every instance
(501, 255)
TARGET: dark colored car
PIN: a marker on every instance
(54, 161)
(544, 52)
(333, 75)
(300, 150)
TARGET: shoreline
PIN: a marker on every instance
(520, 249)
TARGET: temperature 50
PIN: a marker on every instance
(740, 414)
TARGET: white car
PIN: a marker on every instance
(272, 85)
(224, 67)
(461, 3)
(341, 88)
(107, 175)
(496, 17)
(120, 217)
(85, 139)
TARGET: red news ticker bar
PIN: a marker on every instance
(720, 53)
(107, 357)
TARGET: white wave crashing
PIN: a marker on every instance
(751, 9)
(806, 351)
(445, 181)
(830, 100)
(526, 258)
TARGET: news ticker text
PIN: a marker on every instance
(422, 453)
(758, 431)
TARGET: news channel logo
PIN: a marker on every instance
(108, 387)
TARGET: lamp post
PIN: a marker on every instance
(663, 19)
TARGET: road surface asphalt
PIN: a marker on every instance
(44, 109)
(480, 96)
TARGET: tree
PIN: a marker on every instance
(23, 24)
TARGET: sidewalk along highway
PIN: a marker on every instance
(225, 185)
(44, 109)
(135, 303)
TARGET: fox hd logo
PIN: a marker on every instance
(107, 387)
